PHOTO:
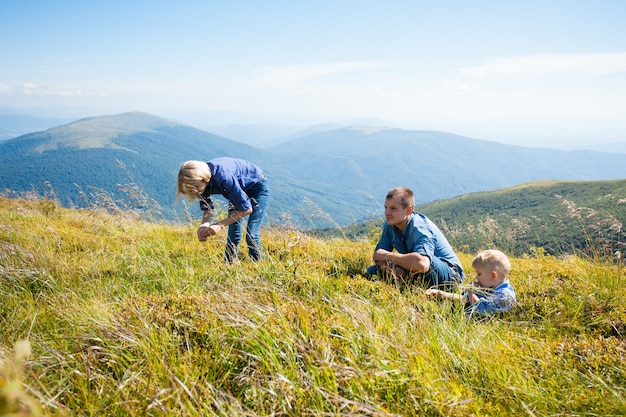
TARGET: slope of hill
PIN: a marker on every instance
(329, 178)
(556, 216)
(435, 164)
(13, 125)
(105, 315)
(106, 155)
(552, 216)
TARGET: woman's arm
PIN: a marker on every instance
(207, 229)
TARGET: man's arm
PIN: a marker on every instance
(412, 261)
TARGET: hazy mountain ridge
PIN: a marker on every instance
(437, 164)
(330, 177)
(151, 155)
(267, 135)
(73, 163)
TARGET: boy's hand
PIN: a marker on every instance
(432, 292)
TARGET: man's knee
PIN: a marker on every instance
(371, 271)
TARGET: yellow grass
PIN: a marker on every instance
(106, 315)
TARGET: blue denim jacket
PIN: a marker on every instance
(231, 178)
(496, 300)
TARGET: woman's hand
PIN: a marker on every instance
(203, 231)
(207, 230)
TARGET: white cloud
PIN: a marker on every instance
(32, 89)
(454, 85)
(552, 64)
(293, 75)
(26, 86)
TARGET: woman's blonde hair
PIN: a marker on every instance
(191, 171)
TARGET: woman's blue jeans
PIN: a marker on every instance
(259, 195)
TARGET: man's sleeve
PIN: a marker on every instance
(385, 241)
(422, 242)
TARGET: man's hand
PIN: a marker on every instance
(381, 256)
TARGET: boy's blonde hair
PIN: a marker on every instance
(191, 171)
(406, 196)
(494, 259)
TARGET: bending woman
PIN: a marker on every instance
(247, 190)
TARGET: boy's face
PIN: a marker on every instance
(395, 214)
(486, 277)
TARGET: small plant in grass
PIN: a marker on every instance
(15, 400)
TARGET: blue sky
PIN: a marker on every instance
(510, 71)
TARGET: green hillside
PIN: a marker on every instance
(554, 217)
(323, 179)
(97, 161)
(106, 315)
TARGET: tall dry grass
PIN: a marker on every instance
(109, 315)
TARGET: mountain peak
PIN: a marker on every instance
(368, 130)
(99, 132)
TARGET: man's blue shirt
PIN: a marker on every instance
(421, 235)
(231, 178)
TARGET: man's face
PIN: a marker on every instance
(395, 214)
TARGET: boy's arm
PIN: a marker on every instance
(207, 229)
(444, 295)
(472, 297)
(207, 216)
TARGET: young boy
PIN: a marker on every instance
(491, 291)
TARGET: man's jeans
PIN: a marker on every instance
(260, 196)
(440, 275)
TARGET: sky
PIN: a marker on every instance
(524, 72)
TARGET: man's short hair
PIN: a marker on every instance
(406, 196)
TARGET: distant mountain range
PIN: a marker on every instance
(323, 178)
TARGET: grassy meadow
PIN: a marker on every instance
(106, 315)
